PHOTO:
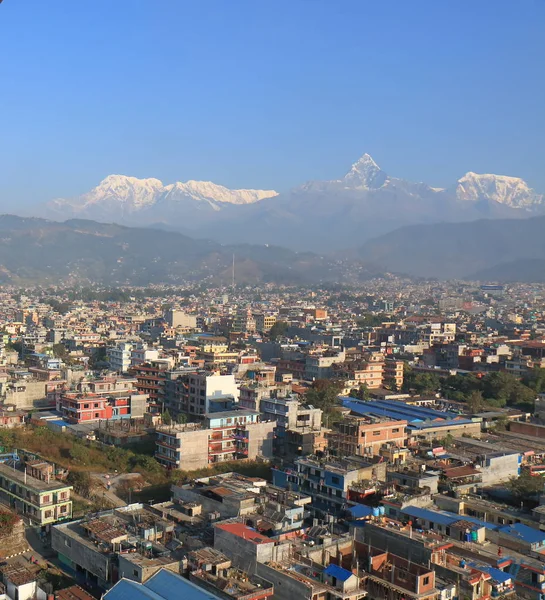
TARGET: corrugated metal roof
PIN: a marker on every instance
(163, 585)
(337, 572)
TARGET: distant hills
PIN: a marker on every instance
(80, 251)
(488, 250)
(318, 216)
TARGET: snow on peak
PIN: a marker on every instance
(209, 191)
(511, 191)
(365, 173)
(134, 194)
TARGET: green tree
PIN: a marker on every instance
(324, 394)
(278, 330)
(167, 419)
(361, 393)
(535, 380)
(371, 320)
(181, 418)
(420, 383)
(82, 482)
(526, 488)
(475, 401)
(60, 351)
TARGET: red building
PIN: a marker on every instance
(78, 408)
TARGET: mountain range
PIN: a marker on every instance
(321, 216)
(485, 250)
(78, 251)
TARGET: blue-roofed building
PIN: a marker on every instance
(520, 537)
(360, 511)
(164, 585)
(340, 578)
(422, 423)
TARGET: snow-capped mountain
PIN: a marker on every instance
(365, 174)
(120, 195)
(511, 191)
(319, 215)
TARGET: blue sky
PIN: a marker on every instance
(267, 93)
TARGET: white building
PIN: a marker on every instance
(142, 355)
(119, 357)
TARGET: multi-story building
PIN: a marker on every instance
(177, 318)
(151, 379)
(368, 371)
(225, 436)
(264, 322)
(360, 436)
(79, 407)
(142, 354)
(393, 373)
(119, 357)
(321, 366)
(195, 392)
(244, 321)
(41, 500)
(327, 482)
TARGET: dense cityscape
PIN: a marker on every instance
(272, 300)
(381, 441)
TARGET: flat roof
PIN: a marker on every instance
(31, 482)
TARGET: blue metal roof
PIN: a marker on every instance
(338, 572)
(172, 586)
(431, 515)
(400, 411)
(523, 532)
(163, 585)
(130, 590)
(360, 510)
(498, 575)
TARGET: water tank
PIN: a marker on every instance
(474, 536)
(375, 512)
(381, 510)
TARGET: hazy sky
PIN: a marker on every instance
(267, 93)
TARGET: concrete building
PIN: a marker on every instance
(243, 545)
(195, 392)
(119, 357)
(328, 482)
(177, 318)
(42, 501)
(224, 436)
(264, 322)
(320, 366)
(359, 436)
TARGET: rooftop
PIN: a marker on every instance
(245, 532)
(36, 485)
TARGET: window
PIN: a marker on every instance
(335, 480)
(135, 573)
(426, 580)
(376, 433)
(48, 514)
(395, 430)
(97, 415)
(85, 406)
